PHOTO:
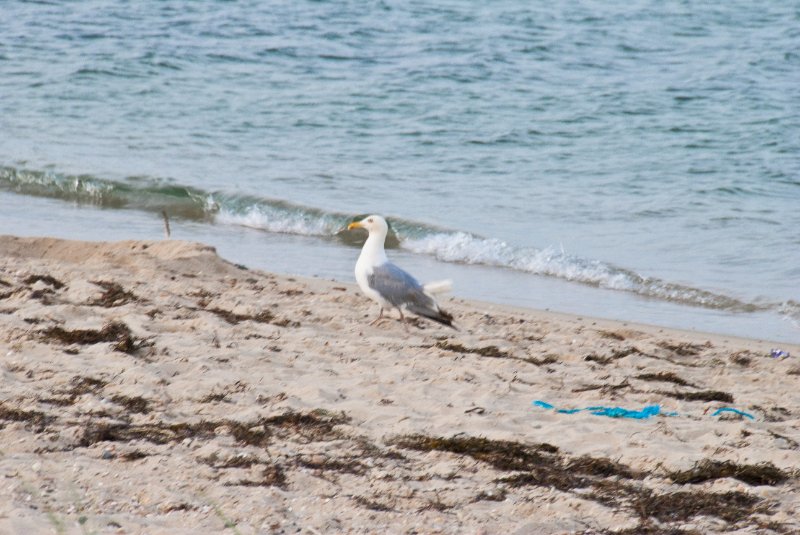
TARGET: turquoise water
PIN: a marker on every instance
(638, 161)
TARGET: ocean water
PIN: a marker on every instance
(638, 161)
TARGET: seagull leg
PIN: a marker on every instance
(403, 319)
(379, 318)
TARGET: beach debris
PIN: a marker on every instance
(753, 474)
(265, 316)
(47, 279)
(735, 411)
(779, 354)
(611, 412)
(603, 480)
(684, 349)
(705, 395)
(36, 419)
(115, 331)
(491, 351)
(167, 232)
(136, 404)
(619, 412)
(114, 295)
(663, 376)
(617, 354)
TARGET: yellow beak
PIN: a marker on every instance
(355, 224)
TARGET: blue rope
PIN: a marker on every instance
(619, 412)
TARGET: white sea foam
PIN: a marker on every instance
(273, 219)
(469, 249)
(466, 248)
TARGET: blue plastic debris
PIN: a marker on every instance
(735, 411)
(779, 354)
(611, 412)
(619, 412)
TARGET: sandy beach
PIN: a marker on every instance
(153, 387)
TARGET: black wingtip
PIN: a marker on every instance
(441, 316)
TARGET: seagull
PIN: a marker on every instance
(390, 286)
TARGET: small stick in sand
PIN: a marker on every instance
(166, 223)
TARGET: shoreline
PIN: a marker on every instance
(153, 386)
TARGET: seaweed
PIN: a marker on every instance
(663, 376)
(602, 467)
(113, 295)
(487, 351)
(85, 385)
(157, 433)
(214, 397)
(492, 351)
(684, 349)
(47, 279)
(235, 461)
(36, 419)
(313, 426)
(546, 475)
(265, 316)
(547, 359)
(611, 335)
(78, 387)
(611, 483)
(271, 476)
(43, 294)
(134, 455)
(501, 454)
(494, 495)
(706, 395)
(111, 332)
(348, 466)
(371, 504)
(606, 389)
(114, 331)
(316, 425)
(752, 474)
(732, 506)
(436, 505)
(135, 404)
(615, 355)
(742, 358)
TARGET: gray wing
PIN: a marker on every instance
(398, 287)
(401, 289)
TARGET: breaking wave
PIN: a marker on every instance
(279, 216)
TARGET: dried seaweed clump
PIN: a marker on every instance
(731, 506)
(37, 419)
(501, 454)
(663, 376)
(315, 425)
(706, 395)
(684, 349)
(114, 295)
(752, 474)
(114, 331)
(265, 316)
(47, 279)
(488, 351)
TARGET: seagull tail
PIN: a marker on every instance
(438, 315)
(438, 287)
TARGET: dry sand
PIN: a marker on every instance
(152, 387)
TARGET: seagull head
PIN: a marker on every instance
(374, 224)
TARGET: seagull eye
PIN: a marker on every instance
(369, 220)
